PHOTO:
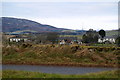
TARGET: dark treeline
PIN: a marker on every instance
(49, 37)
(91, 36)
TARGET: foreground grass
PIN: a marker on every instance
(64, 55)
(26, 74)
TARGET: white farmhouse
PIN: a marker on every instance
(107, 39)
(18, 39)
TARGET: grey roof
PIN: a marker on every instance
(110, 37)
(18, 37)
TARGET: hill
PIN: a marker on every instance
(112, 33)
(15, 24)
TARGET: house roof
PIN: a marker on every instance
(114, 36)
(110, 37)
(19, 37)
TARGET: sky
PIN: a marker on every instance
(75, 15)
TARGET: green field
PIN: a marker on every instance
(111, 32)
(26, 74)
(108, 33)
(78, 36)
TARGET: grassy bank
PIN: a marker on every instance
(73, 55)
(25, 74)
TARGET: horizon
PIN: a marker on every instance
(57, 27)
(69, 15)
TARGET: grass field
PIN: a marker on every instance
(111, 33)
(26, 74)
(78, 36)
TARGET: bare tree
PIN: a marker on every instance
(52, 37)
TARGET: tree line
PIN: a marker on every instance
(91, 36)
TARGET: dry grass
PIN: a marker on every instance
(57, 54)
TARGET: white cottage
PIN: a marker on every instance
(18, 39)
(107, 39)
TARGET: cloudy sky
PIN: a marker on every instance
(66, 14)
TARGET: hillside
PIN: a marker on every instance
(15, 24)
(112, 33)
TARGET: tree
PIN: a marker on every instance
(102, 33)
(91, 36)
(52, 37)
(4, 39)
(117, 41)
(41, 38)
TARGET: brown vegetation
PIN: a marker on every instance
(74, 55)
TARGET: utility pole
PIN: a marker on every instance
(118, 19)
(82, 26)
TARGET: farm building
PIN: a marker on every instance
(18, 39)
(69, 40)
(107, 39)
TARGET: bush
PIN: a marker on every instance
(26, 45)
(118, 41)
